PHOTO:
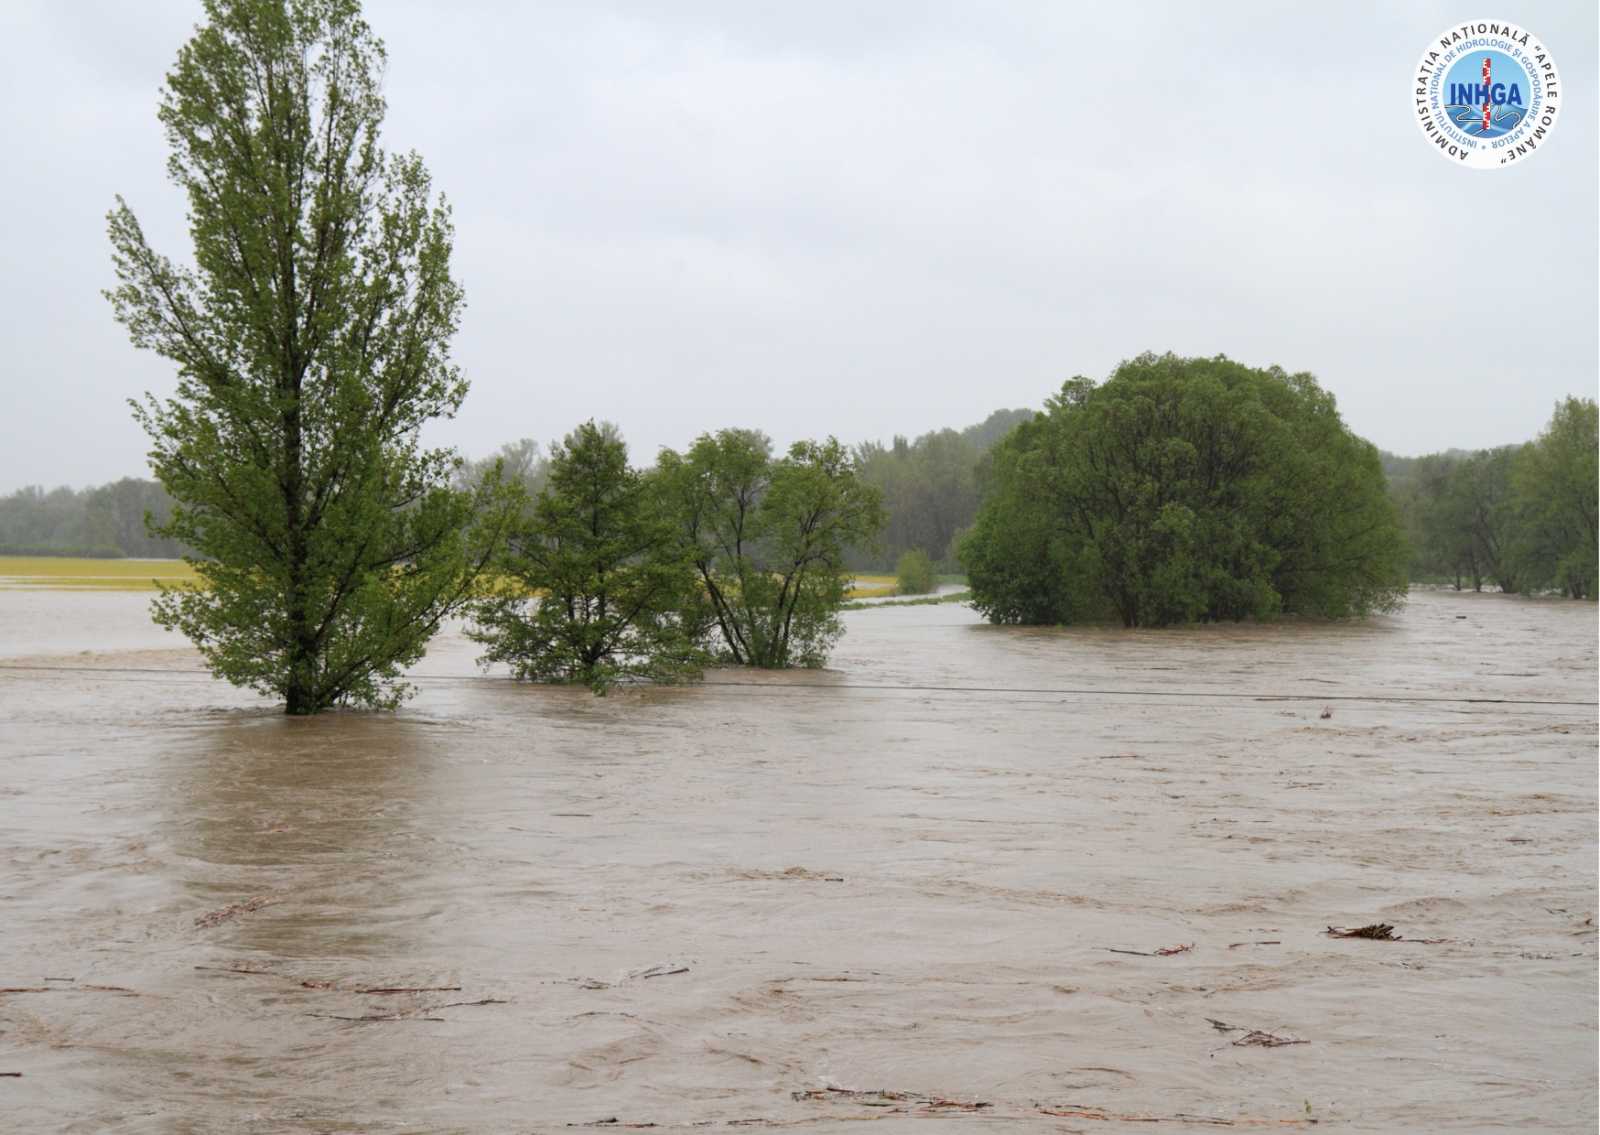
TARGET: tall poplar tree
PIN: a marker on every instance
(311, 336)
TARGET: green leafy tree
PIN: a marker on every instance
(1182, 490)
(311, 341)
(1554, 479)
(1482, 504)
(768, 538)
(1438, 515)
(914, 573)
(600, 582)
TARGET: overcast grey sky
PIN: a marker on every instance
(863, 218)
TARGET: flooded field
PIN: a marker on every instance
(1080, 881)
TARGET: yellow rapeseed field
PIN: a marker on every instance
(72, 574)
(69, 573)
(873, 587)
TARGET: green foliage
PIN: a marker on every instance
(101, 522)
(1183, 490)
(1520, 517)
(1554, 481)
(605, 564)
(311, 339)
(767, 538)
(914, 573)
(930, 486)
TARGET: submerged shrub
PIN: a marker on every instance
(594, 580)
(767, 538)
(914, 573)
(1183, 490)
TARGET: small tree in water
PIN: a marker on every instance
(605, 572)
(914, 573)
(311, 337)
(767, 539)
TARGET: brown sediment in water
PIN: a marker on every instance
(945, 880)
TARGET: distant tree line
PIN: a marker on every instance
(930, 490)
(106, 521)
(1520, 518)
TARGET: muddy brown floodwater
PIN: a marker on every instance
(937, 876)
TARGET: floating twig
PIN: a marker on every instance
(665, 969)
(384, 989)
(1123, 1117)
(1259, 1038)
(374, 1017)
(1164, 952)
(1253, 1038)
(881, 1098)
(69, 989)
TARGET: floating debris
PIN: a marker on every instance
(1253, 1038)
(881, 1098)
(1257, 1038)
(233, 910)
(1380, 931)
(1164, 952)
(664, 969)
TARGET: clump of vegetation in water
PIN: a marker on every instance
(1183, 490)
(767, 537)
(600, 581)
(914, 573)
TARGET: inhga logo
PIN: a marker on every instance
(1486, 94)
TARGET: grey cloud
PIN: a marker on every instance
(864, 219)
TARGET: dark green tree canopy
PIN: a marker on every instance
(1180, 490)
(598, 580)
(1556, 488)
(311, 336)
